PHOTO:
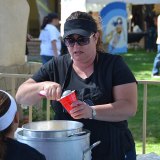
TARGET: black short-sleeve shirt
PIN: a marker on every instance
(112, 67)
(20, 151)
(109, 71)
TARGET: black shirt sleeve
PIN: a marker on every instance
(54, 70)
(121, 73)
(46, 72)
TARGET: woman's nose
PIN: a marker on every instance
(76, 44)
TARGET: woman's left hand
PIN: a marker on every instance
(81, 110)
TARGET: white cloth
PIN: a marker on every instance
(47, 35)
(136, 29)
(149, 156)
(8, 117)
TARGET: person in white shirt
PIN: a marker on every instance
(156, 64)
(50, 38)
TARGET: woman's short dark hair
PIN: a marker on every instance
(48, 19)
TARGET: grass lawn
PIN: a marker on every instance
(141, 64)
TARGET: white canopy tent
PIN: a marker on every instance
(127, 1)
(68, 6)
(97, 5)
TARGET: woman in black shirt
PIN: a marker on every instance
(106, 89)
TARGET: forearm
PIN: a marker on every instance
(125, 106)
(27, 93)
(55, 48)
(117, 111)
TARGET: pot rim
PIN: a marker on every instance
(26, 127)
(20, 135)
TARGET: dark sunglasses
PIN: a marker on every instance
(81, 40)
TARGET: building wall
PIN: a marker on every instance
(13, 29)
(34, 17)
(33, 23)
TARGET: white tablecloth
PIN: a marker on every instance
(150, 156)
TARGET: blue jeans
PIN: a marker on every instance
(156, 64)
(131, 155)
(45, 59)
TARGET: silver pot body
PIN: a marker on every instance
(57, 139)
(74, 147)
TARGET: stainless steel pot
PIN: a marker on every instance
(51, 129)
(70, 145)
(75, 147)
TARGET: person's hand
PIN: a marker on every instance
(29, 37)
(81, 110)
(52, 90)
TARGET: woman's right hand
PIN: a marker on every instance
(29, 92)
(52, 90)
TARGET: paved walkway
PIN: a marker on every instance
(36, 58)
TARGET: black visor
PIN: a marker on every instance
(82, 27)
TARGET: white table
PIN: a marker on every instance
(150, 156)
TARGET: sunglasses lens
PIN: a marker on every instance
(70, 42)
(83, 41)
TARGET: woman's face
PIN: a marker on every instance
(55, 22)
(82, 52)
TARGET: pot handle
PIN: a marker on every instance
(90, 148)
(77, 134)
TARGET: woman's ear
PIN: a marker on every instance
(16, 118)
(96, 36)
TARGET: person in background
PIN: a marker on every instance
(28, 38)
(156, 64)
(50, 38)
(11, 149)
(151, 32)
(105, 87)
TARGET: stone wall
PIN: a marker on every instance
(27, 68)
(13, 29)
(6, 83)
